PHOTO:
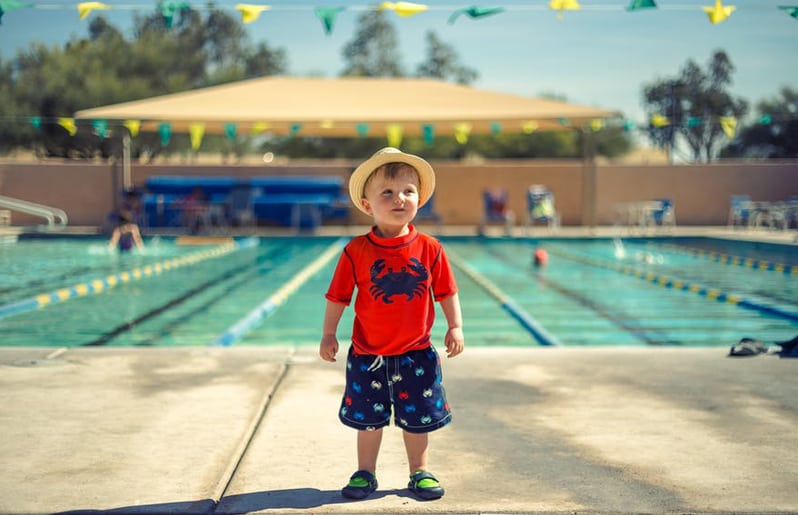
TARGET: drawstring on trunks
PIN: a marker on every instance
(377, 363)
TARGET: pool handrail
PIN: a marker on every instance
(47, 212)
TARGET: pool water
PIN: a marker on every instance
(269, 291)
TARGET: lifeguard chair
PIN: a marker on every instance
(540, 207)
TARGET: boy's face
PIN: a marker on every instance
(392, 198)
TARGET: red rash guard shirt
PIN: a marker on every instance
(397, 280)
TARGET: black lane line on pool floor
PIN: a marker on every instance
(618, 319)
(169, 328)
(127, 326)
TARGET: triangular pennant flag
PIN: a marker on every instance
(85, 8)
(792, 10)
(638, 5)
(133, 127)
(475, 12)
(461, 132)
(394, 135)
(565, 122)
(10, 5)
(658, 121)
(628, 125)
(564, 5)
(718, 12)
(529, 127)
(165, 130)
(404, 9)
(295, 128)
(693, 121)
(170, 8)
(250, 12)
(596, 125)
(495, 128)
(428, 133)
(196, 132)
(362, 129)
(765, 119)
(100, 127)
(327, 16)
(327, 124)
(729, 125)
(69, 125)
(258, 127)
(231, 130)
(36, 122)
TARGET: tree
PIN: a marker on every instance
(442, 63)
(693, 103)
(774, 134)
(373, 52)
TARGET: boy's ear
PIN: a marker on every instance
(366, 205)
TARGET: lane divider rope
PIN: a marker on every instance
(727, 259)
(526, 320)
(679, 284)
(270, 305)
(102, 284)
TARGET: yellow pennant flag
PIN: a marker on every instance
(729, 125)
(461, 132)
(394, 135)
(327, 124)
(196, 131)
(529, 127)
(564, 5)
(718, 12)
(659, 121)
(404, 9)
(85, 8)
(250, 12)
(69, 125)
(259, 127)
(133, 126)
(596, 125)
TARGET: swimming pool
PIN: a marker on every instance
(65, 292)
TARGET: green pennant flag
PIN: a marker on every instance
(765, 119)
(792, 10)
(638, 5)
(327, 16)
(230, 130)
(693, 122)
(475, 12)
(36, 122)
(628, 125)
(10, 5)
(495, 128)
(165, 130)
(295, 128)
(428, 132)
(170, 8)
(362, 129)
(100, 127)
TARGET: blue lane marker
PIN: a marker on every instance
(526, 320)
(265, 309)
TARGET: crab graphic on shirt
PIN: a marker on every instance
(408, 281)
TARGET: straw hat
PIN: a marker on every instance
(426, 176)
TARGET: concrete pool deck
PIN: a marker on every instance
(535, 430)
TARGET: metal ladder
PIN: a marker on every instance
(56, 218)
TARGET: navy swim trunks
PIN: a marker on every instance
(409, 385)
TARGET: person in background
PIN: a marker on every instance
(126, 234)
(391, 363)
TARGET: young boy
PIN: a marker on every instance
(391, 364)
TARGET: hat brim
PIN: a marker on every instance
(426, 175)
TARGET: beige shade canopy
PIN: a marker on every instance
(348, 107)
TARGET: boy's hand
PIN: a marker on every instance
(328, 347)
(454, 342)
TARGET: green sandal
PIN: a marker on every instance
(425, 486)
(361, 485)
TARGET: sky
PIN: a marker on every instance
(601, 55)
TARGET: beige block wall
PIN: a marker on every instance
(701, 193)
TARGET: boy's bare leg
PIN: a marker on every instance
(416, 445)
(368, 448)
